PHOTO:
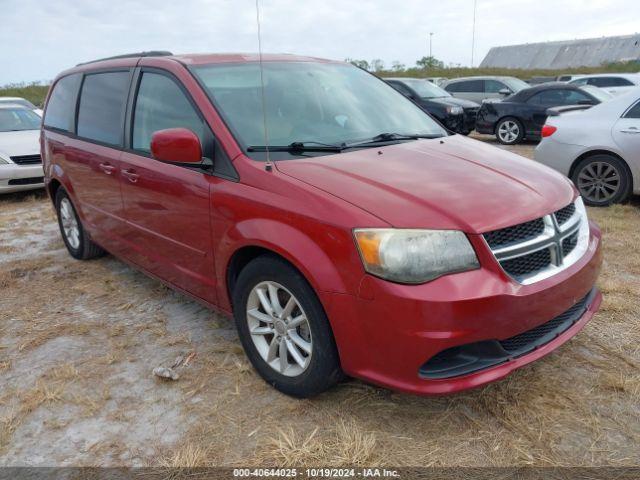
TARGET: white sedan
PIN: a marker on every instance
(20, 101)
(20, 161)
(614, 83)
(598, 148)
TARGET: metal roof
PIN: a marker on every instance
(589, 52)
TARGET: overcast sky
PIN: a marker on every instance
(39, 38)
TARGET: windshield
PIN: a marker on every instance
(16, 119)
(425, 89)
(516, 84)
(319, 103)
(600, 94)
(18, 101)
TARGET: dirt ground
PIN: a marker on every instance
(79, 340)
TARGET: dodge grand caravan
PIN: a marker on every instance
(342, 227)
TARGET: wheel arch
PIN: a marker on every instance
(270, 237)
(602, 151)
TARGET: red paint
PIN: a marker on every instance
(183, 226)
(176, 145)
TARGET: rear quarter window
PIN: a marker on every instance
(102, 105)
(61, 107)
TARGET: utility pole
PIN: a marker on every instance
(430, 44)
(473, 34)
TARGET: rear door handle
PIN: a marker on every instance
(631, 130)
(107, 168)
(131, 175)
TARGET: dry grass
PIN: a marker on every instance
(76, 355)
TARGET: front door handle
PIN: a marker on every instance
(107, 168)
(131, 175)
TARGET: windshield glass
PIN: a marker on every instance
(16, 119)
(18, 101)
(516, 84)
(600, 94)
(320, 103)
(425, 89)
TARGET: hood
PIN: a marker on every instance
(26, 142)
(449, 183)
(461, 102)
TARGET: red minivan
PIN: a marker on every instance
(345, 230)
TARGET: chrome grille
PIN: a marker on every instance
(565, 213)
(515, 234)
(537, 249)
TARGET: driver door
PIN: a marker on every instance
(167, 205)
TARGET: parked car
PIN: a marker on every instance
(478, 89)
(566, 77)
(522, 115)
(436, 80)
(20, 163)
(456, 114)
(598, 149)
(20, 101)
(343, 228)
(614, 83)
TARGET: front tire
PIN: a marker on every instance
(284, 329)
(509, 131)
(75, 237)
(602, 179)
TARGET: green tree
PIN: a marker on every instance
(429, 62)
(396, 66)
(358, 63)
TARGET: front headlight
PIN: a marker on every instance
(4, 161)
(414, 256)
(454, 110)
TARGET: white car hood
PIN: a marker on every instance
(25, 142)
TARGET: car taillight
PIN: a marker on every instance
(548, 130)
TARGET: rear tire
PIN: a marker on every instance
(509, 131)
(75, 237)
(602, 179)
(311, 364)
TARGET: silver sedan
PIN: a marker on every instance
(599, 149)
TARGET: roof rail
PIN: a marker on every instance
(151, 53)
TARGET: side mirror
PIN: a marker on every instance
(504, 91)
(176, 145)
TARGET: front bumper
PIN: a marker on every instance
(389, 331)
(14, 178)
(455, 123)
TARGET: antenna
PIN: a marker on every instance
(473, 34)
(267, 165)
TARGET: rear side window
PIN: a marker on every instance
(61, 107)
(162, 104)
(469, 86)
(634, 112)
(604, 82)
(102, 105)
(556, 98)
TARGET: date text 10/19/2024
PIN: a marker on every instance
(316, 472)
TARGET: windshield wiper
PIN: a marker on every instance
(390, 137)
(295, 147)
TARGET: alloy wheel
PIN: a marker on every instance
(598, 181)
(279, 328)
(508, 131)
(69, 223)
